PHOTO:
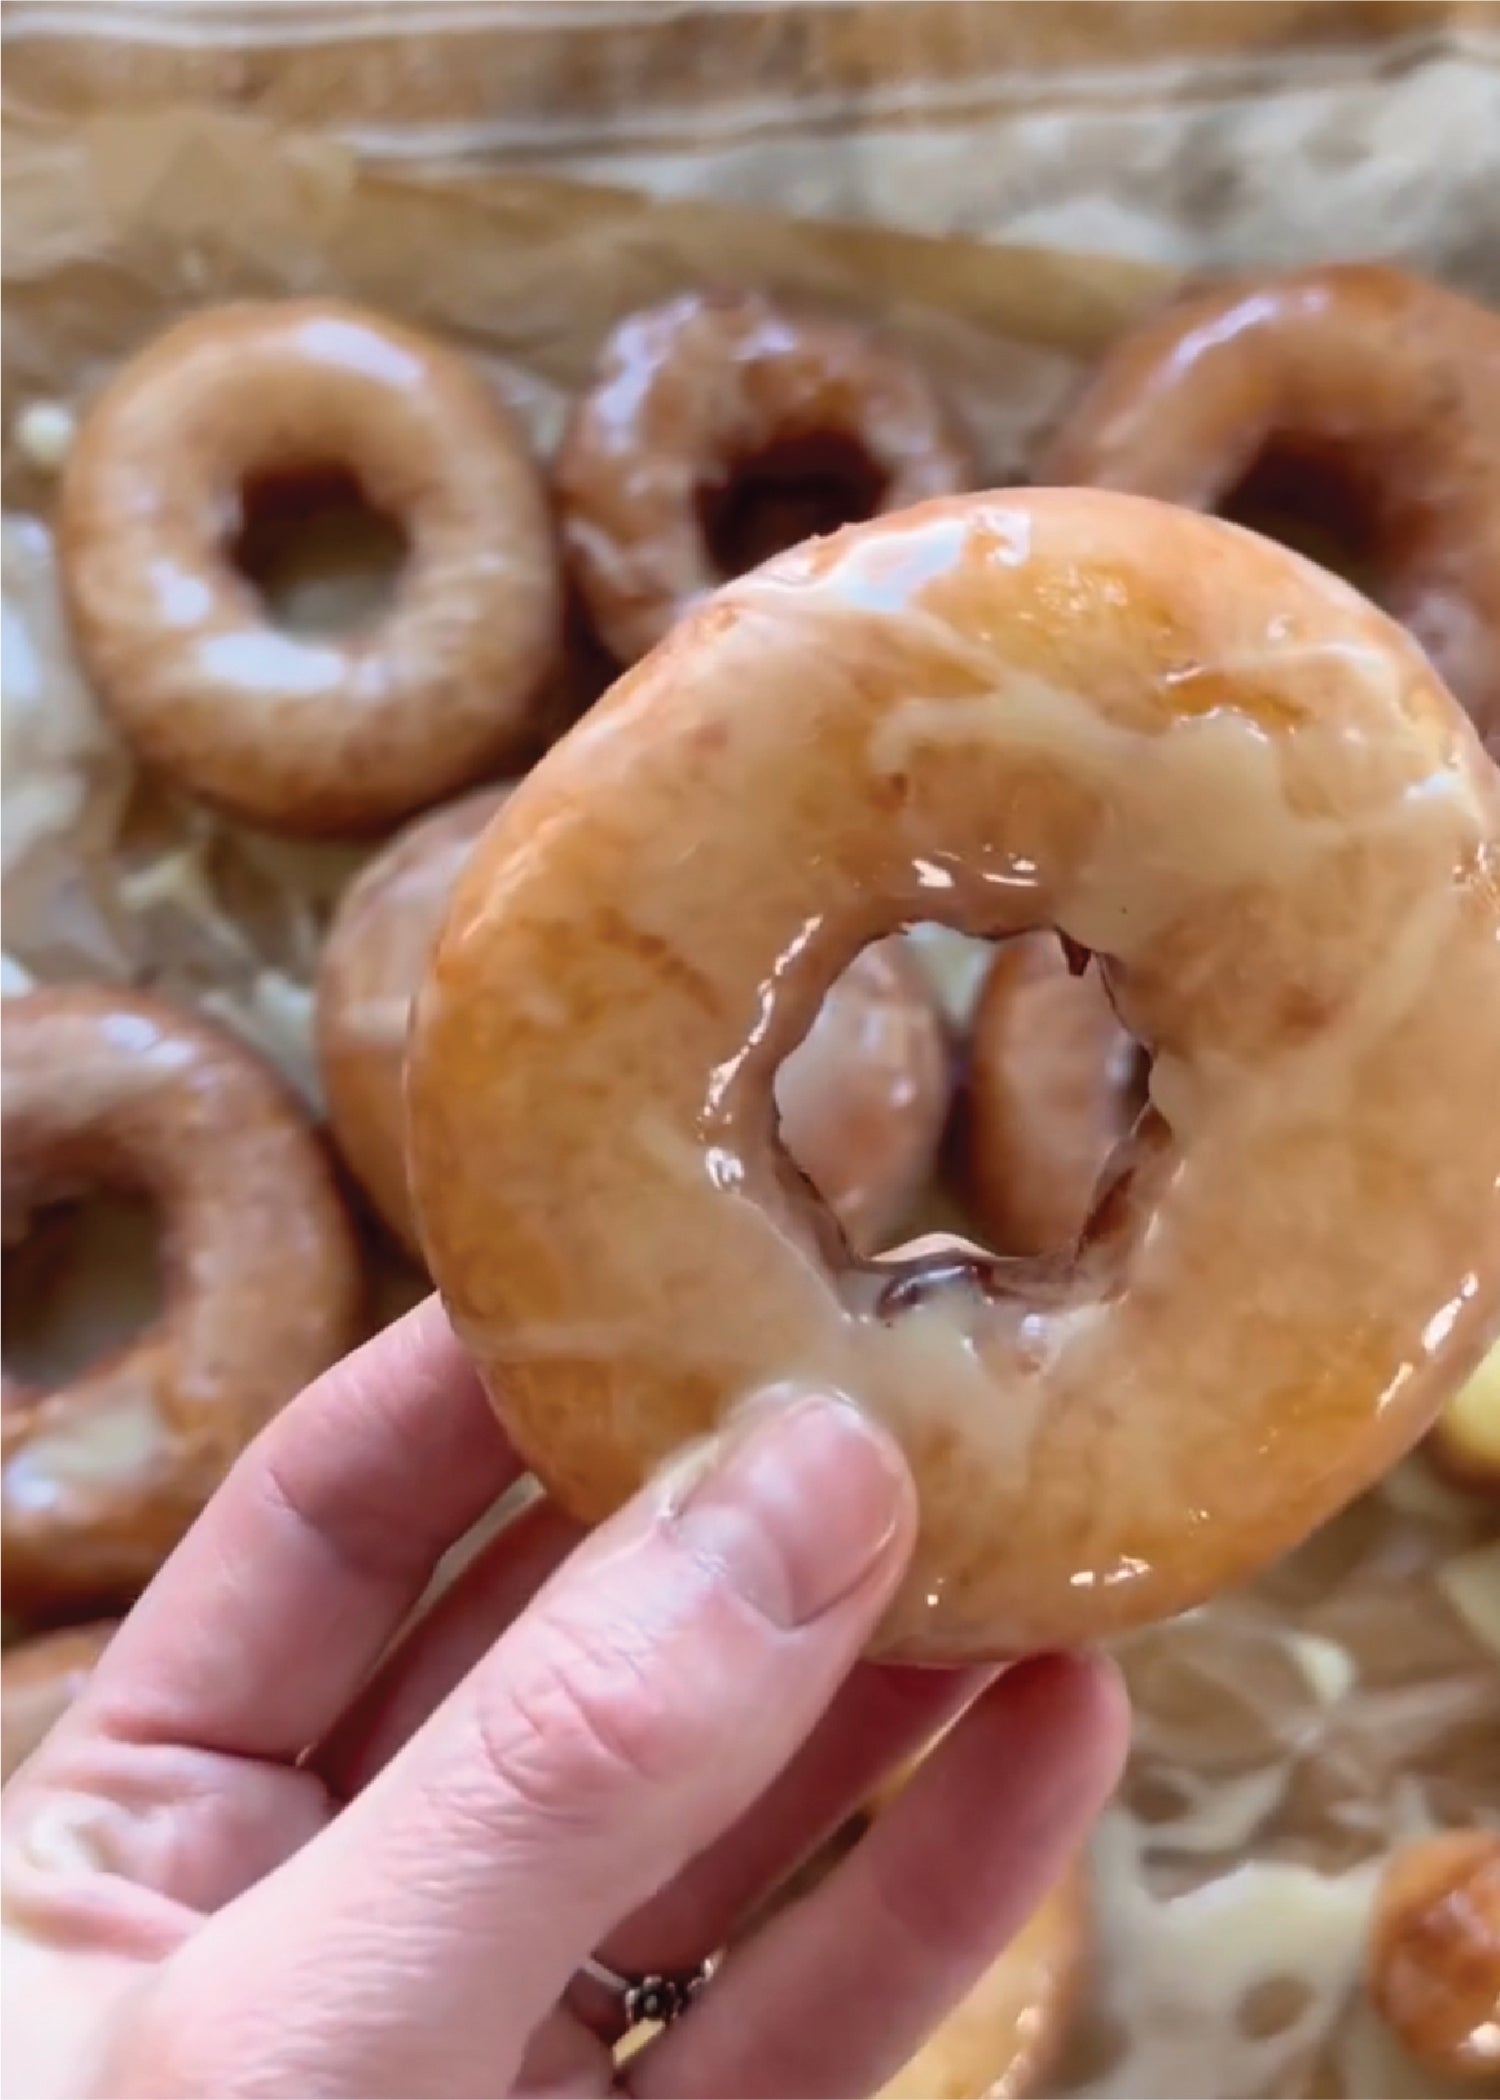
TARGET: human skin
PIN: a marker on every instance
(274, 1849)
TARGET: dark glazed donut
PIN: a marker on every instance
(309, 734)
(107, 1088)
(691, 396)
(1356, 374)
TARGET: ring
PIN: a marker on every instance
(660, 1999)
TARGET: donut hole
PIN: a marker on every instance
(1317, 505)
(321, 558)
(792, 490)
(82, 1284)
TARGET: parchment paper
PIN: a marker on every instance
(1288, 1736)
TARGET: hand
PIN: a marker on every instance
(276, 1849)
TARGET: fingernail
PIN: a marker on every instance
(797, 1504)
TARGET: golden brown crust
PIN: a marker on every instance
(321, 734)
(1434, 1960)
(687, 393)
(39, 1681)
(1053, 1084)
(1355, 370)
(1199, 757)
(108, 1088)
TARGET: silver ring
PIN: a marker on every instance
(658, 1998)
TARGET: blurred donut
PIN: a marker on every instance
(1354, 377)
(1002, 2041)
(310, 734)
(1434, 1957)
(1053, 1084)
(376, 950)
(106, 1088)
(39, 1681)
(692, 401)
(1465, 1441)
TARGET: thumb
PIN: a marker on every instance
(649, 1694)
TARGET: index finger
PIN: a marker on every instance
(277, 1605)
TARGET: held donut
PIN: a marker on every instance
(1355, 378)
(1434, 1959)
(1054, 1085)
(694, 398)
(309, 734)
(1195, 755)
(863, 1101)
(39, 1680)
(107, 1088)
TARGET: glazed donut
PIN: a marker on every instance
(863, 1098)
(1003, 2039)
(1054, 1084)
(39, 1681)
(308, 734)
(693, 399)
(371, 964)
(108, 1088)
(1194, 754)
(863, 1101)
(1434, 1957)
(1352, 376)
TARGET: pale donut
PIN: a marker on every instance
(1002, 2040)
(309, 734)
(1465, 1442)
(108, 1088)
(1434, 1959)
(1194, 754)
(1388, 382)
(690, 395)
(863, 1101)
(39, 1681)
(1053, 1086)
